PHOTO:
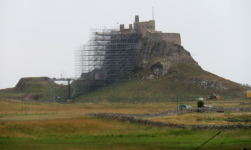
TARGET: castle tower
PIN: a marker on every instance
(130, 26)
(135, 24)
(136, 18)
(122, 27)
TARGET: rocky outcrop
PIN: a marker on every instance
(209, 84)
(167, 53)
(178, 62)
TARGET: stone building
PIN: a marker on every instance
(147, 29)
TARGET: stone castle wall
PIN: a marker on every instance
(169, 37)
(147, 29)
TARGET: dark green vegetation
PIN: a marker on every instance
(93, 133)
(200, 104)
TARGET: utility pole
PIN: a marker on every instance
(177, 100)
(177, 84)
(177, 89)
(22, 104)
(25, 108)
(69, 88)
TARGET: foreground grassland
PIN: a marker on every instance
(64, 126)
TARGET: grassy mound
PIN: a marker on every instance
(164, 88)
(42, 88)
(189, 80)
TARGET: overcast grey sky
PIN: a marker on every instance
(38, 37)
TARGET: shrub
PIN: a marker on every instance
(157, 65)
(227, 113)
(200, 104)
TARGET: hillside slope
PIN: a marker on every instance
(41, 88)
(163, 69)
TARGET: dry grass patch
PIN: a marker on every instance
(85, 125)
(19, 107)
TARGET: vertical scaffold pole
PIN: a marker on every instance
(69, 89)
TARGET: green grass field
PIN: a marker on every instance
(65, 126)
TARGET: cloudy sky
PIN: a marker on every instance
(38, 37)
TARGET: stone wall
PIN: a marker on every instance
(132, 119)
(143, 26)
(188, 110)
(136, 120)
(169, 37)
(11, 98)
(221, 127)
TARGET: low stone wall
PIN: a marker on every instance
(189, 110)
(132, 118)
(11, 98)
(221, 127)
(137, 120)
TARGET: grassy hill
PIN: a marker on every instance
(187, 81)
(163, 69)
(164, 88)
(42, 88)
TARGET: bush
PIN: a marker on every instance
(227, 113)
(200, 104)
(157, 65)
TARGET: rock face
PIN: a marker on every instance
(170, 55)
(166, 53)
(209, 84)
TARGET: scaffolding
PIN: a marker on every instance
(107, 59)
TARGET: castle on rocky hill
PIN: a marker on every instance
(147, 29)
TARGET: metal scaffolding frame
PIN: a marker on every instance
(107, 59)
